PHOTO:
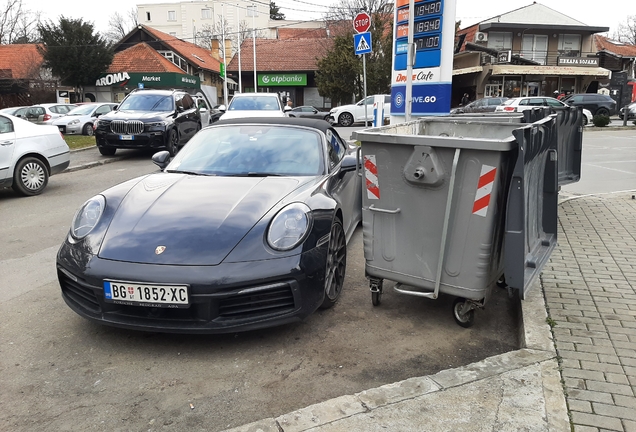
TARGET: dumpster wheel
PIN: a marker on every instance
(464, 312)
(376, 291)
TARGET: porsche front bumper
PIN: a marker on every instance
(225, 298)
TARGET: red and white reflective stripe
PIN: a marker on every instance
(484, 189)
(371, 176)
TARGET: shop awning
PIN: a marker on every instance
(468, 70)
(549, 70)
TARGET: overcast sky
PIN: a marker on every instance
(590, 12)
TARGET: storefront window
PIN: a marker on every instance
(512, 86)
(500, 40)
(569, 45)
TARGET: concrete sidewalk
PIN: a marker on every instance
(589, 285)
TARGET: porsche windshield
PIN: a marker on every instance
(252, 150)
(147, 102)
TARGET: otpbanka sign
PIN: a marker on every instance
(578, 61)
(158, 79)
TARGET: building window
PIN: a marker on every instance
(172, 15)
(147, 16)
(206, 13)
(251, 11)
(535, 47)
(500, 40)
(174, 58)
(569, 45)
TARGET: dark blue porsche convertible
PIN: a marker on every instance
(245, 228)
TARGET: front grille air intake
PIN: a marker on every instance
(127, 127)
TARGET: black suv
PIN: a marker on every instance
(149, 118)
(597, 103)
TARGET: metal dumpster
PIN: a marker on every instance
(450, 206)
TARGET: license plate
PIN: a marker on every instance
(126, 137)
(135, 294)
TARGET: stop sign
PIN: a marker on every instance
(362, 22)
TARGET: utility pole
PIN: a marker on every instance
(254, 45)
(224, 57)
(238, 39)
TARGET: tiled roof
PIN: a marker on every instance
(281, 55)
(470, 35)
(194, 54)
(614, 47)
(296, 33)
(141, 58)
(20, 61)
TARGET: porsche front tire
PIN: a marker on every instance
(335, 266)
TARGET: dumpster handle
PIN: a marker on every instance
(374, 209)
(449, 205)
(358, 159)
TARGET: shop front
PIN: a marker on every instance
(527, 80)
(289, 86)
(113, 87)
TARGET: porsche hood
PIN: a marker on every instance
(189, 220)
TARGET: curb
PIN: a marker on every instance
(537, 350)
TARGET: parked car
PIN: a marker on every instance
(47, 113)
(245, 228)
(520, 104)
(80, 120)
(29, 154)
(347, 115)
(149, 118)
(204, 111)
(245, 105)
(480, 105)
(306, 111)
(18, 111)
(597, 103)
(630, 110)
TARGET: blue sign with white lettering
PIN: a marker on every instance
(428, 99)
(362, 43)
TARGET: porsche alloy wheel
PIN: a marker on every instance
(345, 119)
(336, 265)
(31, 177)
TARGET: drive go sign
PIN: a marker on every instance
(362, 22)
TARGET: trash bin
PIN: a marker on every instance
(446, 202)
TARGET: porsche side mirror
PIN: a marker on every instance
(161, 159)
(349, 163)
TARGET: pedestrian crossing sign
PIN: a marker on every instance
(362, 43)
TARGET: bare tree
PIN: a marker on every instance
(627, 32)
(17, 24)
(119, 26)
(208, 33)
(348, 9)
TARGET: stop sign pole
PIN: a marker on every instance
(362, 23)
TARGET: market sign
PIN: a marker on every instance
(159, 79)
(282, 79)
(578, 61)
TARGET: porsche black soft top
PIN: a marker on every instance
(321, 125)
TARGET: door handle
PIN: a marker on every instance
(379, 210)
(6, 143)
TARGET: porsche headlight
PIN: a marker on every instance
(87, 217)
(72, 122)
(289, 227)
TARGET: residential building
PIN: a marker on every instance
(530, 51)
(185, 19)
(150, 58)
(620, 58)
(24, 80)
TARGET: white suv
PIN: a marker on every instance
(520, 104)
(347, 115)
(245, 105)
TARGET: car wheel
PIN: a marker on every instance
(335, 266)
(602, 111)
(107, 151)
(345, 119)
(173, 142)
(30, 177)
(88, 129)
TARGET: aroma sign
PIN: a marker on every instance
(111, 79)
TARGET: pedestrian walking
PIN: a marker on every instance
(465, 100)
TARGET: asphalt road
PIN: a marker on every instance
(60, 372)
